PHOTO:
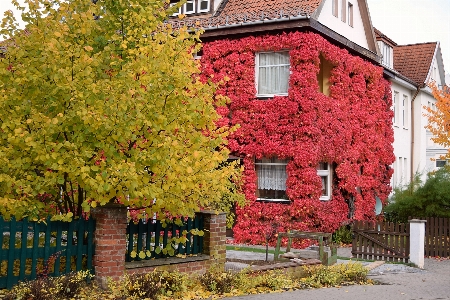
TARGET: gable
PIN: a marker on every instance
(349, 18)
(415, 61)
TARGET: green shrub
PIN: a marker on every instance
(217, 281)
(49, 288)
(343, 235)
(431, 199)
(323, 276)
(149, 286)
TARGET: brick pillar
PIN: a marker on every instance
(417, 242)
(214, 240)
(110, 242)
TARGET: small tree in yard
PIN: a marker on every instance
(100, 103)
(439, 118)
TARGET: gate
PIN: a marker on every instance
(381, 241)
(437, 237)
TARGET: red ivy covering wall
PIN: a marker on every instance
(351, 128)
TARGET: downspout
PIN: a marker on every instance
(412, 134)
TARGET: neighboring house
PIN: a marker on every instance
(313, 109)
(410, 68)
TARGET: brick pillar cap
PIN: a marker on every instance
(417, 221)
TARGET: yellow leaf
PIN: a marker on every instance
(133, 254)
(88, 48)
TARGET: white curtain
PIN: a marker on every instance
(273, 77)
(271, 177)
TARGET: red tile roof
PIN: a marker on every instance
(414, 61)
(382, 37)
(232, 7)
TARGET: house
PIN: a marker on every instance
(410, 68)
(312, 105)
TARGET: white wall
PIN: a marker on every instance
(425, 148)
(356, 33)
(402, 133)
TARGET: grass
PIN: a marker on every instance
(250, 249)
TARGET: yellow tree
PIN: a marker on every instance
(100, 102)
(439, 118)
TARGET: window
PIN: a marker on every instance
(350, 14)
(405, 111)
(271, 173)
(394, 176)
(405, 169)
(440, 163)
(189, 7)
(344, 11)
(335, 8)
(272, 73)
(176, 13)
(192, 7)
(203, 6)
(323, 77)
(395, 107)
(324, 171)
(386, 54)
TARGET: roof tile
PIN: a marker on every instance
(232, 7)
(414, 61)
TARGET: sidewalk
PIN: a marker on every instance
(431, 283)
(375, 268)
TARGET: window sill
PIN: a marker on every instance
(268, 96)
(325, 198)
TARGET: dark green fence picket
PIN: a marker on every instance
(149, 235)
(22, 257)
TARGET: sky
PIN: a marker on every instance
(414, 21)
(403, 21)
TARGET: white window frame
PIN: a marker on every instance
(350, 14)
(344, 11)
(335, 8)
(440, 160)
(186, 12)
(257, 68)
(395, 106)
(405, 110)
(327, 174)
(179, 10)
(279, 163)
(394, 176)
(199, 6)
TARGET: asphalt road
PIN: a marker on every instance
(395, 283)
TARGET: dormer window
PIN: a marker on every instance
(193, 7)
(203, 6)
(387, 54)
(189, 7)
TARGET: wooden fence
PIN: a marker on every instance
(437, 237)
(29, 249)
(147, 240)
(381, 241)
